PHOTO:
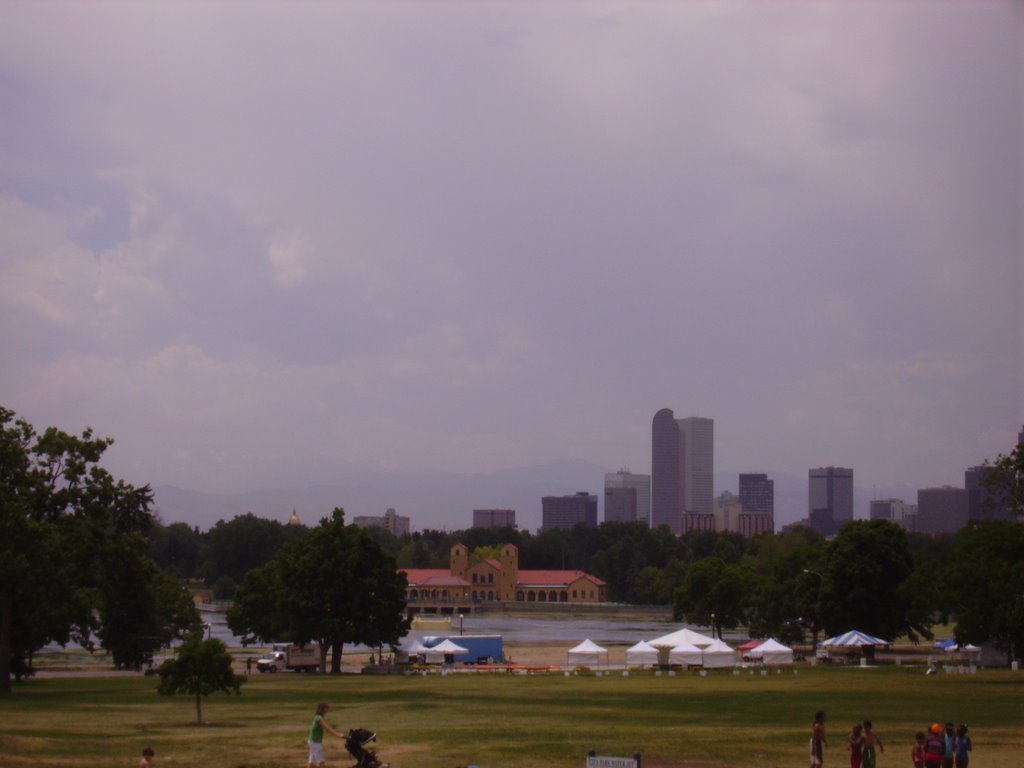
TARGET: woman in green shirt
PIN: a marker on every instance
(316, 735)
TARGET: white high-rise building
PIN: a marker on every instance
(698, 435)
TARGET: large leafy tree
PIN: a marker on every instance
(199, 667)
(985, 579)
(334, 586)
(64, 522)
(864, 580)
(714, 593)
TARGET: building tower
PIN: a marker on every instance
(667, 470)
(829, 498)
(698, 464)
(617, 487)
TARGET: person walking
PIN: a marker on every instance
(917, 753)
(316, 735)
(871, 741)
(949, 746)
(817, 745)
(934, 747)
(856, 745)
(962, 748)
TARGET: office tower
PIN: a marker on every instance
(667, 471)
(829, 498)
(895, 510)
(1020, 437)
(620, 505)
(757, 494)
(494, 518)
(727, 512)
(624, 479)
(941, 510)
(682, 469)
(568, 511)
(699, 464)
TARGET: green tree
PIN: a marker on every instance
(199, 667)
(245, 542)
(985, 579)
(863, 584)
(141, 608)
(64, 522)
(714, 593)
(335, 586)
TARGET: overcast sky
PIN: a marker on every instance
(265, 244)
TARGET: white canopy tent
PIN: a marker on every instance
(437, 654)
(588, 654)
(641, 654)
(685, 653)
(411, 647)
(771, 651)
(684, 635)
(666, 643)
(718, 654)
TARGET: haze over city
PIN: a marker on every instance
(273, 245)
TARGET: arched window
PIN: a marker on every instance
(490, 595)
(530, 596)
(519, 596)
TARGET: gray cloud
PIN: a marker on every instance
(272, 244)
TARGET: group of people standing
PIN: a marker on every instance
(940, 747)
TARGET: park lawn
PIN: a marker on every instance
(517, 721)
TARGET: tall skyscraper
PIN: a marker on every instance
(829, 498)
(667, 471)
(682, 468)
(624, 479)
(699, 464)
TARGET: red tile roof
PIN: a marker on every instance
(554, 578)
(433, 577)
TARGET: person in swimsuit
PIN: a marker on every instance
(917, 753)
(962, 748)
(856, 746)
(818, 742)
(870, 742)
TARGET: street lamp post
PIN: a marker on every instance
(460, 624)
(712, 626)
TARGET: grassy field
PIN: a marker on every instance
(517, 721)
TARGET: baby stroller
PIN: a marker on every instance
(356, 742)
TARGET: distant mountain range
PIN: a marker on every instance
(440, 500)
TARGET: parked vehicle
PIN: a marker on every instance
(271, 662)
(299, 658)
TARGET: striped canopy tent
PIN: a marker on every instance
(855, 638)
(641, 654)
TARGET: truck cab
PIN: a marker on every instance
(271, 662)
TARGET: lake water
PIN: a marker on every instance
(524, 629)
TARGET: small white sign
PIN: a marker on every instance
(610, 762)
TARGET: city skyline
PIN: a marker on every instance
(465, 239)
